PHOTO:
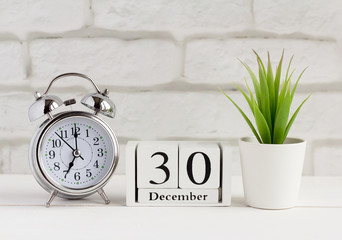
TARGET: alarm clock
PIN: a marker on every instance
(73, 154)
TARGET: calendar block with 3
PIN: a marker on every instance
(172, 173)
(157, 165)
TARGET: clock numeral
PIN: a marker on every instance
(96, 140)
(77, 130)
(100, 154)
(96, 164)
(88, 173)
(77, 176)
(57, 166)
(56, 143)
(64, 134)
(52, 154)
(87, 133)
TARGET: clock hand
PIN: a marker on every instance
(65, 141)
(71, 164)
(75, 136)
(68, 145)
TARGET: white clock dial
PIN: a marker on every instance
(76, 152)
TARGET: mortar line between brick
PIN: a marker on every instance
(183, 49)
(27, 59)
(252, 12)
(96, 32)
(6, 89)
(91, 14)
(257, 34)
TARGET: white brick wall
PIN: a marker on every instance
(316, 18)
(142, 62)
(176, 16)
(164, 62)
(327, 158)
(49, 16)
(214, 61)
(12, 62)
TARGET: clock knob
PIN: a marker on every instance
(100, 103)
(69, 102)
(43, 105)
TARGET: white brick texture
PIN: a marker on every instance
(328, 159)
(201, 115)
(211, 116)
(177, 114)
(163, 115)
(14, 158)
(319, 117)
(177, 16)
(316, 18)
(26, 16)
(215, 61)
(12, 65)
(164, 62)
(112, 61)
(14, 123)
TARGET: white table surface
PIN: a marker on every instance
(318, 215)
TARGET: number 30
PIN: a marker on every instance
(189, 167)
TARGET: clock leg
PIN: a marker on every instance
(52, 196)
(103, 195)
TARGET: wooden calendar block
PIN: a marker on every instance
(157, 165)
(199, 165)
(178, 173)
(186, 196)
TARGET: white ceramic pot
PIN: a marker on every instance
(271, 172)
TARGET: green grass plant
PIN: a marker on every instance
(271, 101)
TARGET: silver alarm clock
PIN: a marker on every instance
(73, 154)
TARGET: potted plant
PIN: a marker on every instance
(271, 162)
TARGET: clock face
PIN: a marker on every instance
(77, 152)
